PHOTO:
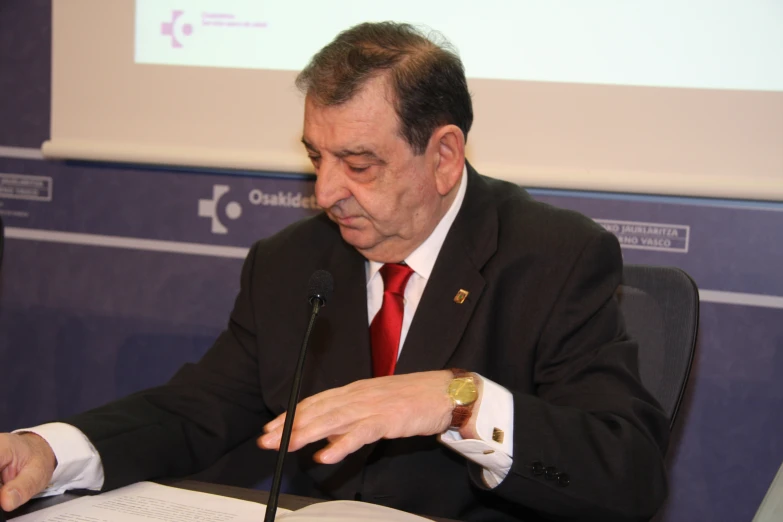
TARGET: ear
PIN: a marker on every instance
(447, 146)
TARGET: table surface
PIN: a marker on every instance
(292, 502)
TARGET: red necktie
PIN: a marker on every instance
(386, 326)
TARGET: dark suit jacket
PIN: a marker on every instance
(540, 320)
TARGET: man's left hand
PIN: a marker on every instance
(366, 411)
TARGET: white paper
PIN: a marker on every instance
(150, 502)
(349, 511)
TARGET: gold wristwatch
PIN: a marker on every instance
(463, 393)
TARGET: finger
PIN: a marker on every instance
(311, 429)
(271, 437)
(335, 422)
(346, 398)
(273, 424)
(314, 401)
(330, 438)
(278, 422)
(364, 388)
(8, 474)
(28, 482)
(273, 432)
(6, 456)
(310, 411)
(361, 434)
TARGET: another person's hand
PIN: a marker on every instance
(27, 463)
(366, 411)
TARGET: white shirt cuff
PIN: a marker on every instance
(78, 463)
(496, 412)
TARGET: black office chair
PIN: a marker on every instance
(771, 508)
(661, 309)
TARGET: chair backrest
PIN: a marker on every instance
(661, 309)
(771, 508)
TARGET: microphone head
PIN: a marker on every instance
(320, 286)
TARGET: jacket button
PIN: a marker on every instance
(537, 468)
(563, 479)
(550, 473)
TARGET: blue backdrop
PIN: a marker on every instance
(114, 276)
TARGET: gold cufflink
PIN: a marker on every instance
(489, 452)
(497, 435)
(461, 296)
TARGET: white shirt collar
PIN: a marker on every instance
(422, 260)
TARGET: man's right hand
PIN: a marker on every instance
(27, 463)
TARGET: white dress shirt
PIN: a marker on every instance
(79, 464)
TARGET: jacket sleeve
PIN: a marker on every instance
(207, 408)
(589, 443)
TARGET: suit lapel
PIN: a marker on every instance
(440, 322)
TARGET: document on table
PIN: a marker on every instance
(150, 502)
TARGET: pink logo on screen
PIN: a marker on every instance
(168, 29)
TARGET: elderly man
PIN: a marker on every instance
(472, 363)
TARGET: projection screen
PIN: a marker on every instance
(662, 97)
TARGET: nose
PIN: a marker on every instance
(330, 185)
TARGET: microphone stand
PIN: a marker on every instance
(274, 494)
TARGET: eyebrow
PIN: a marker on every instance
(349, 152)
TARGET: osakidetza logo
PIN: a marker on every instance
(221, 213)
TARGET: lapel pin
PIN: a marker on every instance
(461, 296)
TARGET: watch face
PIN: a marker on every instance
(463, 390)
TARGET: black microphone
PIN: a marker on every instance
(318, 292)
